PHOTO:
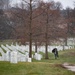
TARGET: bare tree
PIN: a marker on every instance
(4, 4)
(1, 4)
(41, 23)
(29, 6)
(51, 11)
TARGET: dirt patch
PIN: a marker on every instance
(68, 66)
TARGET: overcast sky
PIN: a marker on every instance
(65, 3)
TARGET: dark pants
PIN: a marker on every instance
(56, 55)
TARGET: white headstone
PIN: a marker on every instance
(37, 56)
(29, 60)
(7, 56)
(13, 57)
(23, 58)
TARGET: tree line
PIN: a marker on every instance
(38, 23)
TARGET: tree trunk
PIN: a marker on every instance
(30, 31)
(35, 47)
(46, 46)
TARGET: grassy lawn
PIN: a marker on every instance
(9, 42)
(50, 66)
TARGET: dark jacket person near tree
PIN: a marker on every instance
(55, 51)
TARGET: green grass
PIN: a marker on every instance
(21, 52)
(39, 68)
(9, 42)
(4, 50)
(0, 54)
(64, 56)
(50, 66)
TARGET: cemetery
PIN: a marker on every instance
(20, 53)
(37, 37)
(17, 61)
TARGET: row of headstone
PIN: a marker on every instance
(9, 47)
(18, 53)
(40, 48)
(5, 48)
(2, 55)
(50, 48)
(14, 57)
(24, 49)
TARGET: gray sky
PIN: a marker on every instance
(65, 3)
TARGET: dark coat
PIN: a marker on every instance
(53, 51)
